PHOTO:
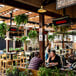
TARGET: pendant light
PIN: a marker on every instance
(41, 10)
(7, 38)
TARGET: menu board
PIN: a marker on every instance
(64, 3)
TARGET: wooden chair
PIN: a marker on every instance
(6, 62)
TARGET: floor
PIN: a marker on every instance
(2, 74)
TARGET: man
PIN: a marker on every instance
(35, 62)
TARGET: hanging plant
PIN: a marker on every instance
(51, 37)
(21, 19)
(23, 39)
(17, 39)
(61, 29)
(32, 34)
(3, 29)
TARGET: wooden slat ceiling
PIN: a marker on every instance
(5, 8)
(34, 17)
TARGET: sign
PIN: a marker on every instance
(64, 3)
(13, 29)
(15, 32)
(40, 37)
(62, 21)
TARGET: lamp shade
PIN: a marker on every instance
(7, 38)
(42, 10)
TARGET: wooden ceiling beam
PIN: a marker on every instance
(46, 2)
(27, 7)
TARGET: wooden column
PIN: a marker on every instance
(14, 43)
(25, 43)
(7, 42)
(64, 13)
(41, 37)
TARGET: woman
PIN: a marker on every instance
(54, 60)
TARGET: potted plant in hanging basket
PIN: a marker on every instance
(21, 19)
(51, 37)
(23, 39)
(3, 29)
(32, 34)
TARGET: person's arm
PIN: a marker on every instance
(47, 49)
(54, 63)
(48, 59)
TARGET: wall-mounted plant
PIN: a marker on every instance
(3, 29)
(21, 19)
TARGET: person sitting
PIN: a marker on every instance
(35, 62)
(54, 60)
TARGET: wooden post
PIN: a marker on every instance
(14, 43)
(24, 42)
(7, 42)
(64, 13)
(42, 37)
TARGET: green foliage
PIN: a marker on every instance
(32, 34)
(51, 37)
(13, 71)
(22, 48)
(17, 38)
(17, 49)
(4, 50)
(61, 29)
(11, 49)
(23, 39)
(3, 29)
(16, 72)
(21, 19)
(53, 72)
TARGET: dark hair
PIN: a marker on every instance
(53, 51)
(37, 53)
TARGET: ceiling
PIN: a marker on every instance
(34, 17)
(50, 7)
